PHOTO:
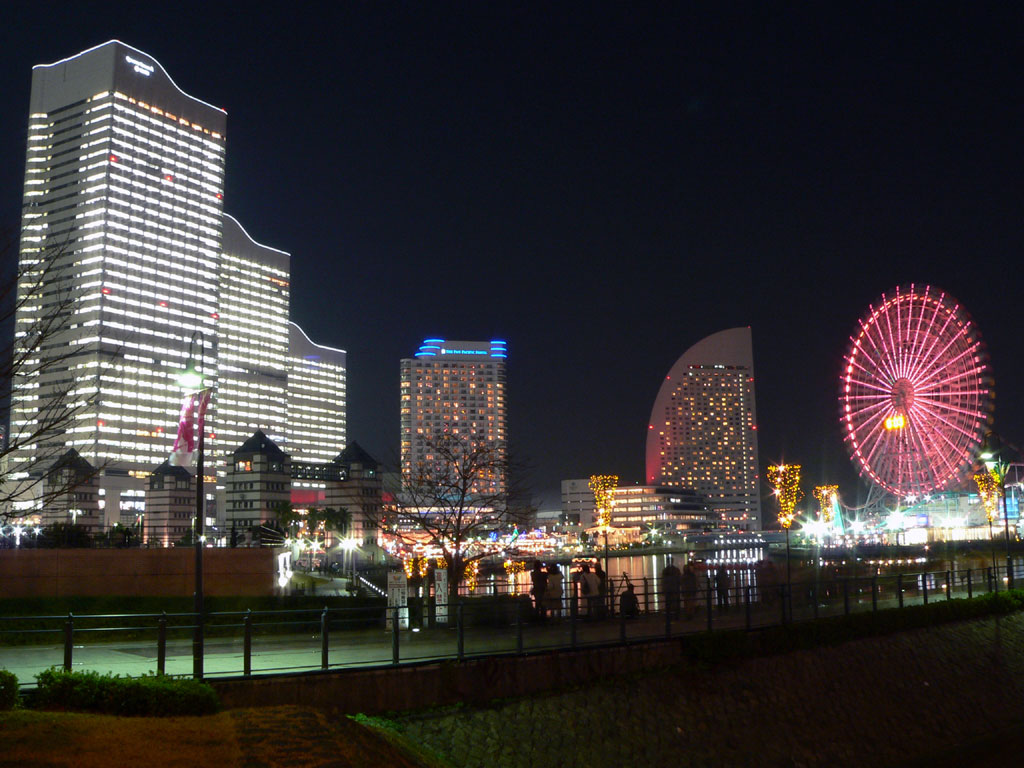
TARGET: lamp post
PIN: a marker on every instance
(191, 380)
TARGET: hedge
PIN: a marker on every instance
(8, 690)
(151, 695)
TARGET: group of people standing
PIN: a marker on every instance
(683, 584)
(546, 587)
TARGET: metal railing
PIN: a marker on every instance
(244, 643)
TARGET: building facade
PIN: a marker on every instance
(703, 429)
(455, 388)
(170, 506)
(316, 399)
(258, 485)
(121, 240)
(253, 338)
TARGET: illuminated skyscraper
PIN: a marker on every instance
(124, 181)
(316, 399)
(253, 337)
(457, 388)
(703, 429)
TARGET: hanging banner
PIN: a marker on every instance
(398, 596)
(441, 595)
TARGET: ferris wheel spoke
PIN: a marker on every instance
(936, 415)
(929, 449)
(919, 338)
(893, 345)
(954, 349)
(870, 376)
(938, 333)
(951, 362)
(883, 391)
(962, 375)
(882, 357)
(939, 405)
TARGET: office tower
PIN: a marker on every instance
(703, 430)
(252, 348)
(124, 183)
(316, 399)
(455, 388)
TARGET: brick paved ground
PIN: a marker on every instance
(906, 699)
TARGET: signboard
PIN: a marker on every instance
(398, 595)
(441, 596)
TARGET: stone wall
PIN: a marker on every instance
(156, 572)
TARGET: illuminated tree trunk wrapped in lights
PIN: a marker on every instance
(990, 488)
(827, 496)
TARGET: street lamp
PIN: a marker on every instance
(992, 457)
(191, 380)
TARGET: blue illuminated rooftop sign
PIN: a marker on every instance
(434, 347)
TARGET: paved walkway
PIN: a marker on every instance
(272, 653)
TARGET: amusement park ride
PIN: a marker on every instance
(915, 400)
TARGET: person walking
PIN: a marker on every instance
(538, 588)
(671, 580)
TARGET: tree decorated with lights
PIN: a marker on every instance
(604, 487)
(826, 495)
(785, 482)
(990, 490)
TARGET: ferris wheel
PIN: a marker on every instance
(914, 392)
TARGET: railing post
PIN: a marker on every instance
(949, 585)
(324, 642)
(970, 585)
(461, 630)
(574, 608)
(69, 633)
(622, 627)
(668, 614)
(161, 643)
(874, 592)
(782, 600)
(991, 580)
(899, 588)
(846, 597)
(647, 596)
(247, 643)
(519, 627)
(747, 605)
(924, 588)
(711, 612)
(395, 617)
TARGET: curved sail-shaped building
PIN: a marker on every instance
(703, 428)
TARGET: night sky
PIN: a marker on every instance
(601, 186)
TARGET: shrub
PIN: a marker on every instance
(112, 694)
(8, 690)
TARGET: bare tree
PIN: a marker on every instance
(453, 500)
(37, 300)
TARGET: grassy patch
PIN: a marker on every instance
(51, 739)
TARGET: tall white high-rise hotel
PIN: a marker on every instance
(124, 182)
(455, 388)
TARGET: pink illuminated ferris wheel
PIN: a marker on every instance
(914, 392)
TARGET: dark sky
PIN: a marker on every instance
(601, 186)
